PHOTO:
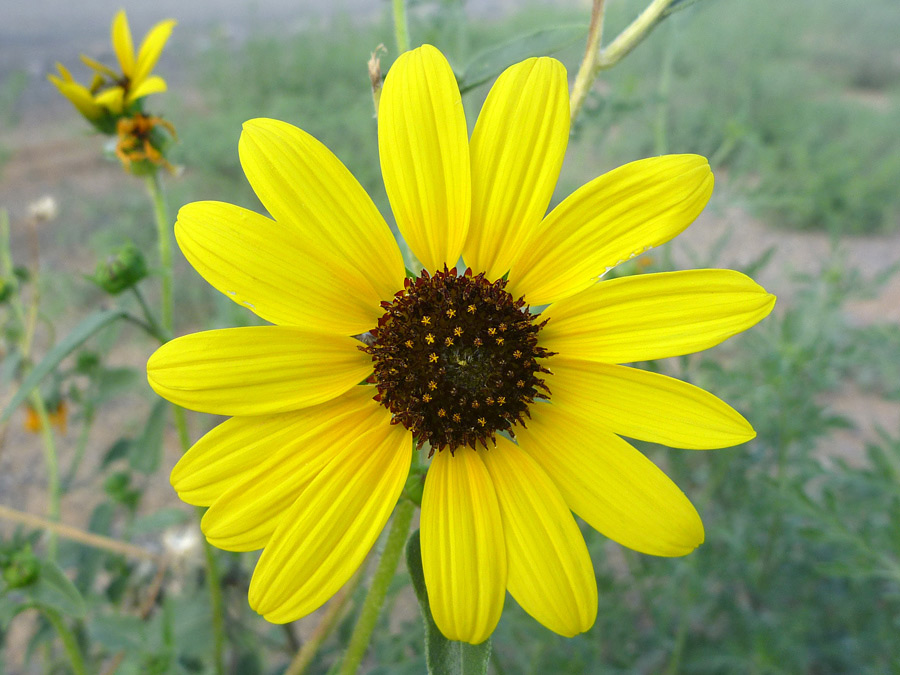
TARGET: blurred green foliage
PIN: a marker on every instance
(797, 103)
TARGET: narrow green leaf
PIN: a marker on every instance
(145, 453)
(88, 327)
(9, 366)
(443, 656)
(491, 62)
(118, 450)
(54, 590)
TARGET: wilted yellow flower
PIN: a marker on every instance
(57, 415)
(113, 94)
(141, 143)
(364, 364)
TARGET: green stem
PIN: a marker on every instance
(80, 447)
(633, 35)
(401, 30)
(329, 622)
(154, 328)
(36, 402)
(660, 131)
(597, 59)
(586, 72)
(164, 241)
(213, 578)
(387, 566)
(52, 463)
(68, 639)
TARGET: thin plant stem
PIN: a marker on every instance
(329, 622)
(52, 463)
(164, 242)
(586, 72)
(598, 58)
(68, 639)
(80, 447)
(215, 601)
(35, 400)
(401, 29)
(213, 578)
(633, 35)
(152, 322)
(660, 125)
(75, 534)
(384, 573)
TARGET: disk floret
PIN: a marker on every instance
(457, 359)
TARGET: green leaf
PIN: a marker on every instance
(88, 327)
(491, 62)
(54, 590)
(113, 382)
(118, 450)
(443, 656)
(10, 366)
(145, 454)
(118, 632)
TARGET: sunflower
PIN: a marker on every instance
(522, 413)
(114, 93)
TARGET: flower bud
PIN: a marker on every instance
(21, 569)
(120, 271)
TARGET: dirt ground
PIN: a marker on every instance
(50, 154)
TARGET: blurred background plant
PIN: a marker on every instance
(797, 106)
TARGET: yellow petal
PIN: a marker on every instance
(244, 517)
(113, 99)
(151, 85)
(611, 219)
(646, 406)
(121, 41)
(230, 452)
(264, 265)
(550, 570)
(100, 69)
(517, 151)
(151, 48)
(424, 149)
(305, 187)
(64, 73)
(611, 485)
(654, 316)
(463, 550)
(325, 535)
(79, 96)
(257, 370)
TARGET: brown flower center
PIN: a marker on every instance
(457, 359)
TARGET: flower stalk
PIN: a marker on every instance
(91, 539)
(35, 401)
(68, 639)
(164, 242)
(329, 622)
(384, 573)
(598, 58)
(401, 28)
